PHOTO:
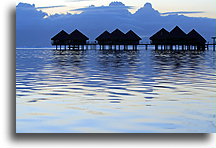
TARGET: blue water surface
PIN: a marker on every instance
(93, 91)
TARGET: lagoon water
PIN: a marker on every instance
(95, 91)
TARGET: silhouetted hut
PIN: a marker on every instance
(131, 38)
(178, 37)
(104, 38)
(162, 37)
(194, 38)
(60, 38)
(117, 37)
(77, 38)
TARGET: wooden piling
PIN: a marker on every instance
(214, 42)
(146, 46)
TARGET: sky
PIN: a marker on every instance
(208, 7)
(145, 22)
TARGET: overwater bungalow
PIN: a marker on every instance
(162, 37)
(195, 39)
(77, 38)
(131, 38)
(60, 38)
(73, 40)
(104, 38)
(117, 37)
(177, 37)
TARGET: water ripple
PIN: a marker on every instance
(133, 91)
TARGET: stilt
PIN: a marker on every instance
(156, 47)
(171, 47)
(214, 42)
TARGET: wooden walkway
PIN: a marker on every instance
(131, 47)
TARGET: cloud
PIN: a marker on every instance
(25, 5)
(113, 6)
(102, 8)
(147, 11)
(181, 12)
(28, 12)
(50, 7)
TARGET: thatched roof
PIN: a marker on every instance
(177, 33)
(77, 35)
(195, 36)
(162, 34)
(130, 35)
(104, 36)
(62, 35)
(117, 35)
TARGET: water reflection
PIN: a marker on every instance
(178, 60)
(63, 58)
(135, 91)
